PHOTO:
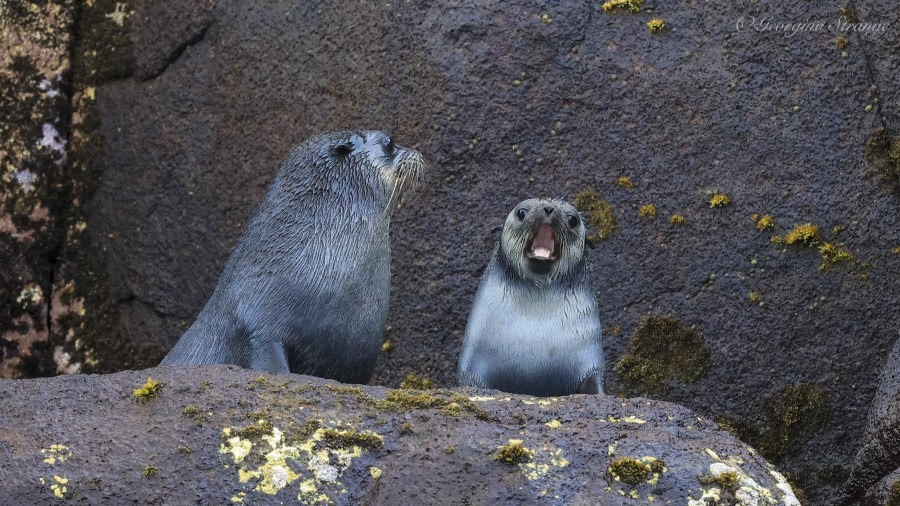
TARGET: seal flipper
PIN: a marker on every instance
(269, 355)
(592, 383)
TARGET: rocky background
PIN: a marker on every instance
(224, 435)
(696, 149)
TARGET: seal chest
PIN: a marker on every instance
(535, 327)
(306, 289)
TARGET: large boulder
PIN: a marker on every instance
(216, 434)
(197, 102)
(876, 468)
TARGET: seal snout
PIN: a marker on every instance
(543, 245)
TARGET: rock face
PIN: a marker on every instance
(34, 107)
(712, 120)
(216, 434)
(876, 468)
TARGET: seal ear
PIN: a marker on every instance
(342, 149)
(589, 243)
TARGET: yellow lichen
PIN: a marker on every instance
(55, 454)
(647, 211)
(804, 235)
(677, 219)
(148, 390)
(764, 222)
(553, 424)
(150, 471)
(625, 182)
(841, 42)
(628, 5)
(375, 472)
(59, 488)
(656, 25)
(546, 19)
(719, 200)
(755, 297)
(387, 345)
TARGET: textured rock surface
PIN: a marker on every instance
(509, 100)
(35, 42)
(215, 433)
(877, 464)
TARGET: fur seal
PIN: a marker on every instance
(306, 289)
(535, 327)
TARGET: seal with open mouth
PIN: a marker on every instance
(306, 289)
(535, 327)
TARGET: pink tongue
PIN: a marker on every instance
(542, 246)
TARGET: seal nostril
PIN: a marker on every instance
(548, 210)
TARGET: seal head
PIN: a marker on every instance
(534, 327)
(306, 289)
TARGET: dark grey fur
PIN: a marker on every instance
(306, 288)
(535, 327)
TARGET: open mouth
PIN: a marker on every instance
(542, 246)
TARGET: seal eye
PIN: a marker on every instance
(343, 149)
(573, 221)
(389, 146)
(521, 214)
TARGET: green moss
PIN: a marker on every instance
(407, 428)
(194, 413)
(719, 200)
(630, 470)
(632, 6)
(796, 413)
(345, 390)
(599, 213)
(262, 427)
(513, 453)
(656, 25)
(336, 438)
(807, 235)
(883, 153)
(833, 255)
(625, 182)
(764, 222)
(399, 400)
(300, 432)
(661, 350)
(726, 480)
(413, 382)
(648, 211)
(148, 391)
(841, 42)
(449, 449)
(150, 471)
(677, 219)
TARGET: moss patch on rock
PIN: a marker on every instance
(513, 453)
(599, 213)
(883, 153)
(661, 350)
(414, 382)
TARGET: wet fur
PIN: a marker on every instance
(533, 332)
(306, 289)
